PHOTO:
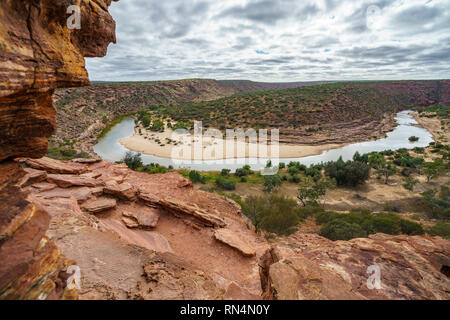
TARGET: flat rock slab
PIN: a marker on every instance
(81, 194)
(231, 239)
(124, 191)
(87, 161)
(99, 205)
(68, 180)
(52, 166)
(44, 186)
(32, 176)
(130, 223)
(144, 219)
(184, 208)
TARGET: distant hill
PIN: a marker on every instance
(300, 109)
(336, 112)
(242, 86)
(80, 109)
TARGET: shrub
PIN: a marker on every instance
(388, 223)
(409, 183)
(271, 182)
(438, 205)
(293, 171)
(146, 121)
(65, 154)
(226, 184)
(441, 229)
(225, 172)
(244, 171)
(132, 160)
(195, 176)
(277, 214)
(413, 139)
(341, 230)
(350, 173)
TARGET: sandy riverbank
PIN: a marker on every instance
(434, 126)
(156, 144)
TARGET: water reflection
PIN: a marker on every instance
(110, 149)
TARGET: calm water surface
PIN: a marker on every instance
(109, 148)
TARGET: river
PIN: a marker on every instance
(109, 148)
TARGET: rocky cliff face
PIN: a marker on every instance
(307, 266)
(139, 236)
(38, 53)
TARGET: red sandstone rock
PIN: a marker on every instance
(144, 219)
(38, 54)
(321, 269)
(32, 176)
(99, 205)
(31, 265)
(67, 180)
(123, 191)
(231, 239)
(52, 166)
(184, 208)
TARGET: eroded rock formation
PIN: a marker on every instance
(38, 54)
(308, 266)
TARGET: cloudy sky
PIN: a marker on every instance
(277, 40)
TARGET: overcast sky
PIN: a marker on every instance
(277, 40)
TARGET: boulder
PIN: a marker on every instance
(44, 186)
(144, 219)
(99, 205)
(67, 180)
(130, 223)
(52, 166)
(32, 176)
(80, 194)
(231, 239)
(206, 218)
(124, 191)
(410, 268)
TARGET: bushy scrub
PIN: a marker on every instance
(244, 171)
(132, 160)
(341, 230)
(438, 203)
(350, 173)
(441, 229)
(225, 184)
(271, 182)
(364, 224)
(195, 176)
(66, 154)
(273, 213)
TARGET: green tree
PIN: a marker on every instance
(132, 160)
(146, 121)
(271, 182)
(387, 170)
(277, 214)
(409, 183)
(309, 191)
(195, 176)
(434, 169)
